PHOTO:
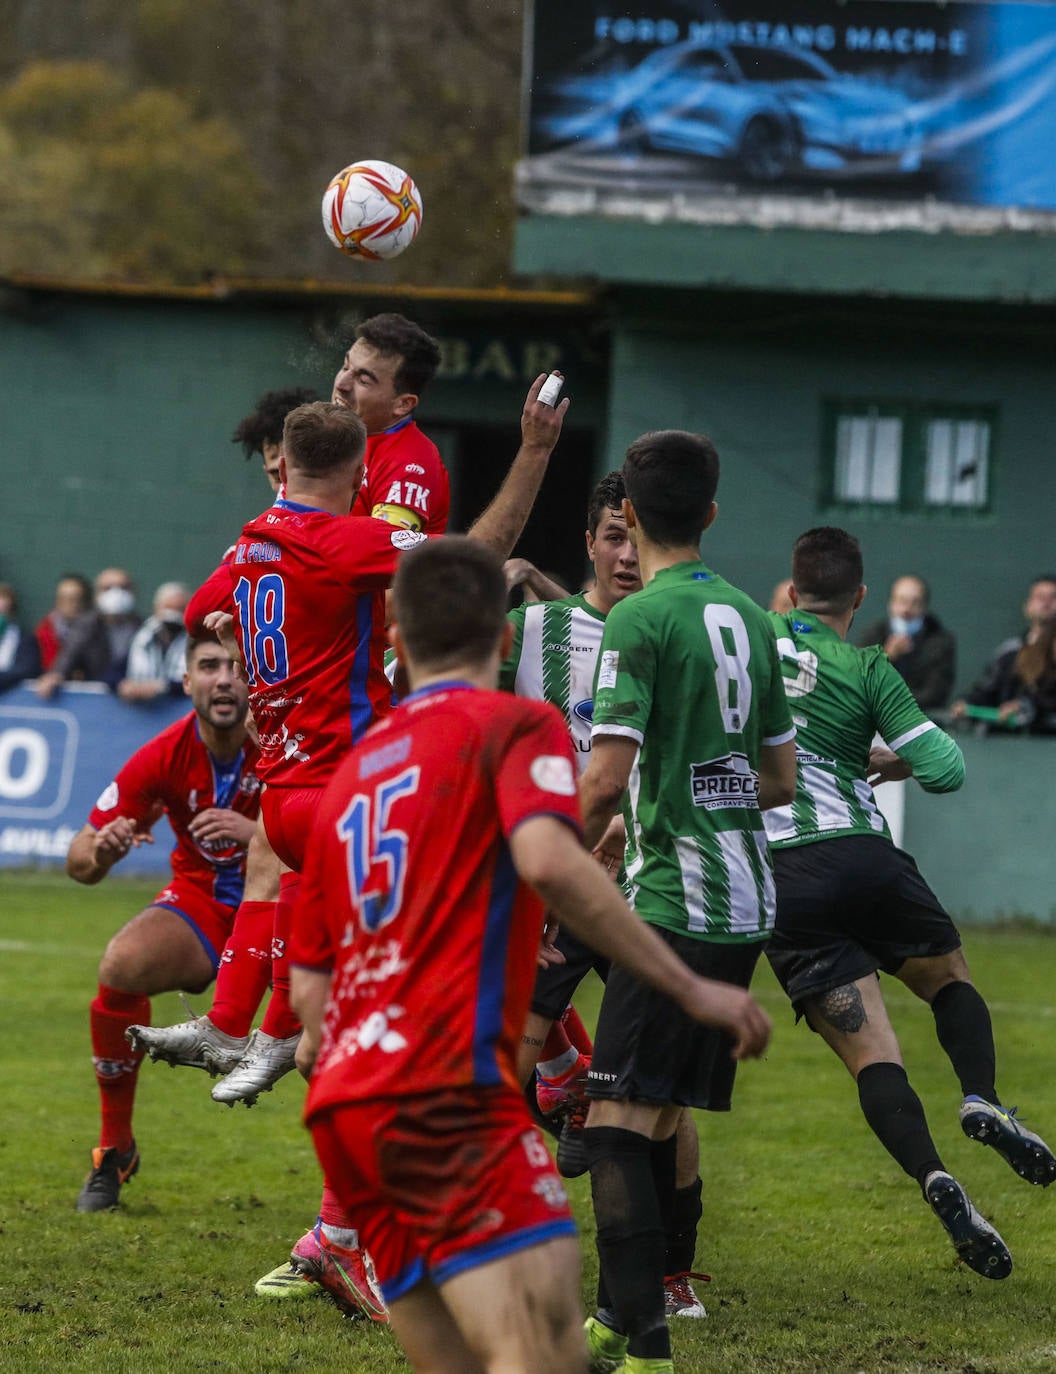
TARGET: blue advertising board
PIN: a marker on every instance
(55, 759)
(890, 100)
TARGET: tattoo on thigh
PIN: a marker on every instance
(532, 1040)
(843, 1008)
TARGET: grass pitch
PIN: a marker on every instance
(823, 1256)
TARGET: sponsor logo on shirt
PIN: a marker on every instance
(804, 756)
(608, 667)
(415, 467)
(406, 539)
(553, 773)
(568, 648)
(584, 710)
(408, 494)
(724, 783)
(376, 1030)
(108, 798)
(550, 1191)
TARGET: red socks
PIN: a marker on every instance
(576, 1031)
(331, 1213)
(116, 1063)
(245, 969)
(279, 1020)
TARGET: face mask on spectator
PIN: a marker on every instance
(901, 626)
(171, 617)
(115, 601)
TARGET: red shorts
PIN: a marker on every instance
(289, 814)
(441, 1182)
(211, 921)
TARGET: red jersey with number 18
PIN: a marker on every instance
(308, 590)
(410, 895)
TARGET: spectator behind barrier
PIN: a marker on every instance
(96, 648)
(156, 656)
(1022, 688)
(73, 598)
(921, 650)
(19, 651)
(1014, 690)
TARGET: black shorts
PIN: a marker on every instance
(556, 985)
(849, 907)
(647, 1050)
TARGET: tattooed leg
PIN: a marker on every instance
(854, 1021)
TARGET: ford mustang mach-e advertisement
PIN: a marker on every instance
(875, 98)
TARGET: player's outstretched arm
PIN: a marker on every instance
(520, 572)
(93, 853)
(222, 624)
(501, 524)
(548, 856)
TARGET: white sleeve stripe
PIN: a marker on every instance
(780, 739)
(625, 731)
(915, 733)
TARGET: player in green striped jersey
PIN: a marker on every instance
(849, 904)
(554, 658)
(690, 715)
(556, 643)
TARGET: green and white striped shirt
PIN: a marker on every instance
(841, 697)
(689, 671)
(554, 655)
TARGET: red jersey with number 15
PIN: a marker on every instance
(308, 590)
(410, 895)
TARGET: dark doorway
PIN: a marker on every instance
(553, 537)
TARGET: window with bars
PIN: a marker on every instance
(898, 456)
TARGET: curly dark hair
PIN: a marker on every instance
(607, 495)
(266, 422)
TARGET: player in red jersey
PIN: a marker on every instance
(309, 591)
(405, 483)
(200, 772)
(421, 910)
(308, 587)
(381, 378)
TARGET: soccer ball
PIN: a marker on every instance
(372, 210)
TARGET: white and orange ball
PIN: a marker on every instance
(372, 210)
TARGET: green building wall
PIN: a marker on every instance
(755, 374)
(119, 411)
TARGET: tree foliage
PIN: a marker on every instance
(164, 139)
(101, 179)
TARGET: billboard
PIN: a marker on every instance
(717, 110)
(55, 759)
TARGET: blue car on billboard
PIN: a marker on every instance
(769, 112)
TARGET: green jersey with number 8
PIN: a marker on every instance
(841, 698)
(689, 671)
